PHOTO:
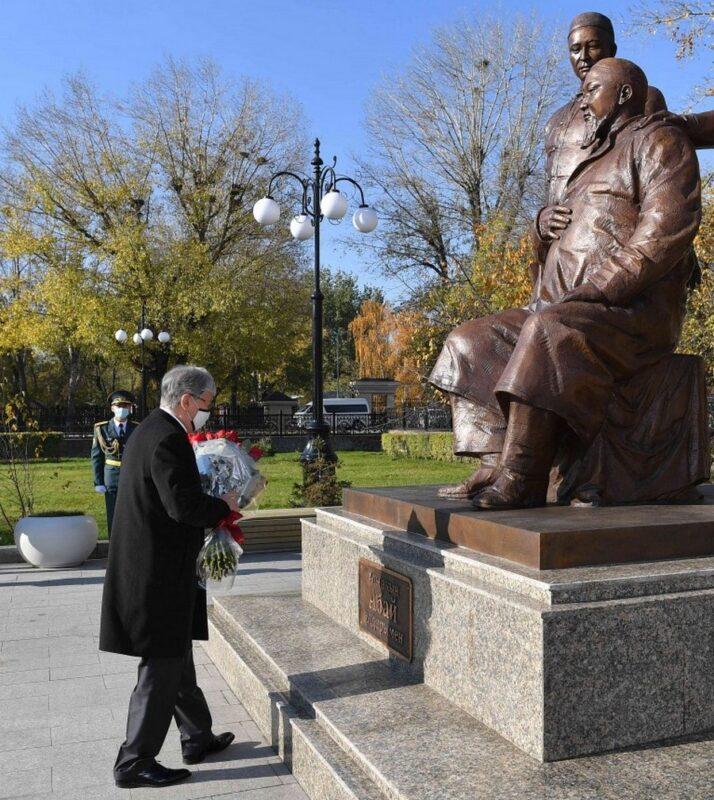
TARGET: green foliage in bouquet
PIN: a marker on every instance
(219, 560)
(320, 486)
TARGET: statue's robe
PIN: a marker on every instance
(636, 203)
(564, 132)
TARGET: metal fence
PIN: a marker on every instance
(255, 423)
(286, 424)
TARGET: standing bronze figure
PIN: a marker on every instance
(583, 380)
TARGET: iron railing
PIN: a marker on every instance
(255, 423)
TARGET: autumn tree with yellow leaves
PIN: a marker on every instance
(108, 205)
(698, 331)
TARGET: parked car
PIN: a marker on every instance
(341, 413)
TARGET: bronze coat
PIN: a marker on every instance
(636, 210)
(564, 132)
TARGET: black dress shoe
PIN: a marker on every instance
(219, 743)
(154, 775)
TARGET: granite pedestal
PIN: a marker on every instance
(558, 662)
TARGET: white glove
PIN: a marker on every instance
(100, 489)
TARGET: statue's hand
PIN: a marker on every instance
(552, 220)
(585, 293)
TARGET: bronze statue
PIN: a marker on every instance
(579, 380)
(591, 37)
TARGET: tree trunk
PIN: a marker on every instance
(75, 373)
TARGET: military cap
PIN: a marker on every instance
(593, 19)
(121, 396)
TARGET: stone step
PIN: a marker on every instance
(352, 724)
(321, 766)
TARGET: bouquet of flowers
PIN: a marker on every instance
(225, 465)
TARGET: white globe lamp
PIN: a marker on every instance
(121, 336)
(136, 338)
(333, 204)
(164, 337)
(301, 227)
(266, 211)
(147, 334)
(365, 219)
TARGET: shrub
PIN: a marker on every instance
(432, 445)
(17, 449)
(266, 445)
(320, 487)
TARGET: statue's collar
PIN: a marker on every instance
(605, 146)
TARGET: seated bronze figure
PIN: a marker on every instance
(580, 391)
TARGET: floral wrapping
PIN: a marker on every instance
(225, 466)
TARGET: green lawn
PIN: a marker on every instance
(67, 485)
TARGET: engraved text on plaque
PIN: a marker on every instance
(385, 607)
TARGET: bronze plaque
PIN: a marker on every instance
(385, 607)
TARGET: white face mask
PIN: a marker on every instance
(121, 413)
(200, 419)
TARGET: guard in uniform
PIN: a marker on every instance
(110, 438)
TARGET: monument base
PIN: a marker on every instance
(560, 663)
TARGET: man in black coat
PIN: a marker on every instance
(152, 606)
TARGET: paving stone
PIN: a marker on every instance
(26, 759)
(94, 668)
(71, 659)
(207, 783)
(63, 704)
(120, 680)
(20, 690)
(283, 792)
(21, 631)
(92, 731)
(24, 676)
(24, 739)
(106, 791)
(18, 664)
(25, 647)
(23, 709)
(18, 783)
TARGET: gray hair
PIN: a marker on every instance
(185, 379)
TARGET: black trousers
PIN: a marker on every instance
(110, 500)
(165, 687)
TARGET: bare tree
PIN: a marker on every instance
(72, 164)
(687, 24)
(213, 143)
(456, 142)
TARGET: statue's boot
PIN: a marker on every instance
(482, 477)
(524, 468)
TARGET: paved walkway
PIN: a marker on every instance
(63, 703)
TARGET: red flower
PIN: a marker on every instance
(255, 453)
(232, 436)
(230, 524)
(197, 437)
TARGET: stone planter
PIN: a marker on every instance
(54, 542)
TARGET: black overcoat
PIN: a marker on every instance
(152, 604)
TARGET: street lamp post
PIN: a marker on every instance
(143, 335)
(320, 198)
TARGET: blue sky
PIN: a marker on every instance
(328, 55)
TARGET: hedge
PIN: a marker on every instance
(433, 445)
(48, 442)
